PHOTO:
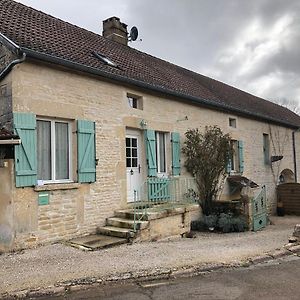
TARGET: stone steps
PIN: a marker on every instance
(127, 214)
(116, 232)
(126, 223)
(121, 225)
(96, 242)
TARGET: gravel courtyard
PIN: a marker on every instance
(51, 264)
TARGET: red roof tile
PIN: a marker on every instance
(37, 31)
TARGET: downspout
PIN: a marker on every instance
(294, 153)
(16, 50)
(13, 63)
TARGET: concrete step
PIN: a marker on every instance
(152, 214)
(116, 231)
(128, 214)
(96, 241)
(126, 223)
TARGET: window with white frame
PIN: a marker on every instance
(161, 161)
(53, 150)
(135, 101)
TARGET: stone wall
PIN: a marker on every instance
(6, 104)
(58, 93)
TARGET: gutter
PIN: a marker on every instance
(207, 103)
(11, 65)
(15, 49)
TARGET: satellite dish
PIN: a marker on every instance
(133, 35)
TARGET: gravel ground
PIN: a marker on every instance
(50, 264)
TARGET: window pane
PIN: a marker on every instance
(127, 142)
(128, 154)
(44, 150)
(61, 150)
(162, 153)
(134, 162)
(134, 142)
(134, 152)
(128, 162)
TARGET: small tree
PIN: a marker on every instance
(207, 156)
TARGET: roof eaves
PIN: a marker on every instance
(205, 102)
(16, 50)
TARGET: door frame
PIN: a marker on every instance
(135, 133)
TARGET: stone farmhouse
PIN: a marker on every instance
(87, 121)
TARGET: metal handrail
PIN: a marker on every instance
(178, 190)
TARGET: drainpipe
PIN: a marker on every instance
(16, 49)
(294, 153)
(13, 63)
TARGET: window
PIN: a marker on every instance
(105, 59)
(131, 152)
(266, 148)
(235, 159)
(160, 139)
(232, 122)
(236, 162)
(132, 102)
(53, 150)
(135, 102)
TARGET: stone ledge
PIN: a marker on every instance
(56, 186)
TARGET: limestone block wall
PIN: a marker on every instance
(6, 103)
(59, 93)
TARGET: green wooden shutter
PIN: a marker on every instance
(241, 156)
(25, 153)
(151, 152)
(86, 151)
(175, 140)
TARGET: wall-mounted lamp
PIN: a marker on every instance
(143, 123)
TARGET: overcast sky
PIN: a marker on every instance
(252, 45)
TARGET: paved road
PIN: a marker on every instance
(275, 280)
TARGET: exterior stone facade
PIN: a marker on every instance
(75, 209)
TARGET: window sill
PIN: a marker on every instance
(56, 186)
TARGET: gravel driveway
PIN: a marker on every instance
(50, 264)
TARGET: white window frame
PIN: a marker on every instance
(165, 134)
(134, 98)
(52, 152)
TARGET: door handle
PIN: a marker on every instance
(139, 168)
(131, 172)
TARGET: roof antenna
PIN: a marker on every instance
(133, 35)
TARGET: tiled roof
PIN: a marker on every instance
(42, 33)
(5, 134)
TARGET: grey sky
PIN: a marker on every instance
(252, 45)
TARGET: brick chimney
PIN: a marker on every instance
(114, 30)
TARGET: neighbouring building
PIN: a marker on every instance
(88, 119)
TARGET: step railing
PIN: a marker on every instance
(259, 210)
(159, 191)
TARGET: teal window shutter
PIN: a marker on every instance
(151, 152)
(86, 146)
(241, 156)
(175, 140)
(25, 153)
(266, 149)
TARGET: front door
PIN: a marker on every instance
(133, 167)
